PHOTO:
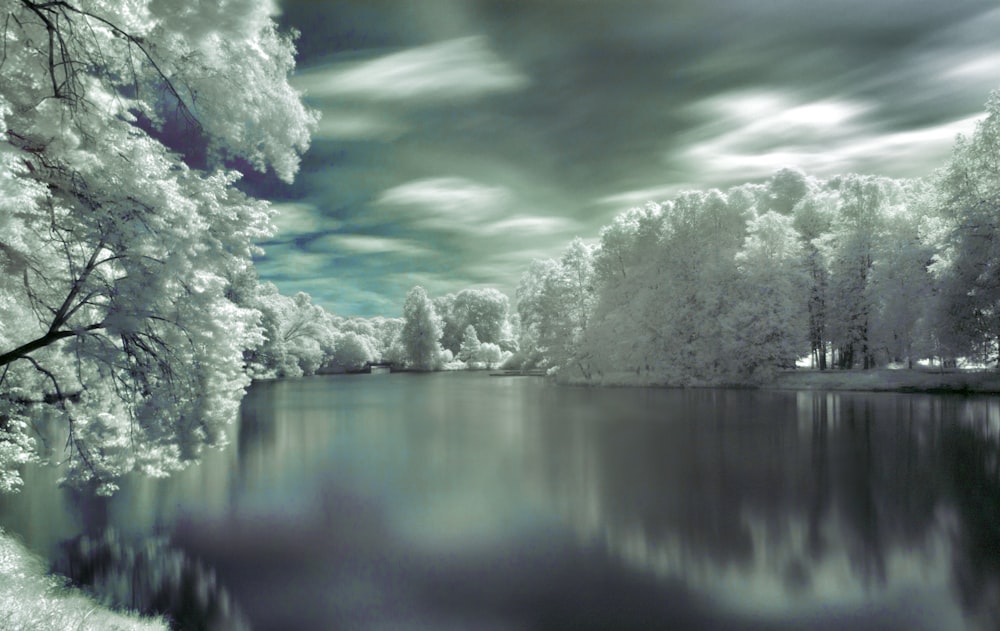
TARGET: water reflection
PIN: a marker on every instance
(149, 575)
(775, 503)
(463, 501)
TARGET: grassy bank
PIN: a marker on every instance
(886, 380)
(31, 600)
(878, 380)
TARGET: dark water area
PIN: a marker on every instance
(461, 501)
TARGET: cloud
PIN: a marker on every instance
(527, 225)
(628, 199)
(427, 171)
(298, 218)
(355, 244)
(346, 124)
(285, 261)
(456, 69)
(756, 133)
(451, 195)
(446, 205)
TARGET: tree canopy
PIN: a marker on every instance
(121, 230)
(854, 271)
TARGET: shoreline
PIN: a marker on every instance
(33, 598)
(908, 380)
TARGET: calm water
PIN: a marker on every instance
(460, 501)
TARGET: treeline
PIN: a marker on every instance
(467, 329)
(854, 271)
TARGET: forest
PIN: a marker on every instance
(729, 287)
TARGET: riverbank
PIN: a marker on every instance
(32, 600)
(890, 380)
(876, 380)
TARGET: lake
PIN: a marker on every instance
(464, 501)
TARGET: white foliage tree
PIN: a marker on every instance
(421, 334)
(117, 251)
(470, 344)
(967, 264)
(352, 352)
(767, 325)
(555, 300)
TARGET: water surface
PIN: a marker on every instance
(461, 501)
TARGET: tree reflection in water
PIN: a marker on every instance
(791, 500)
(151, 577)
(463, 501)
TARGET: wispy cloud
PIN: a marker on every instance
(639, 196)
(822, 139)
(461, 68)
(354, 244)
(446, 195)
(446, 205)
(340, 123)
(297, 218)
(532, 226)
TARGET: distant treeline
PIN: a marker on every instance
(856, 271)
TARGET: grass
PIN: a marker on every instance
(891, 380)
(32, 600)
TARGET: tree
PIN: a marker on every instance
(785, 189)
(352, 352)
(121, 231)
(421, 333)
(767, 325)
(969, 189)
(851, 248)
(813, 217)
(901, 280)
(485, 309)
(470, 344)
(555, 300)
(488, 354)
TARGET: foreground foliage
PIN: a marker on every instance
(121, 230)
(31, 600)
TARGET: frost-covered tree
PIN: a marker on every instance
(120, 229)
(421, 334)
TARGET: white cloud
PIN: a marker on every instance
(985, 67)
(757, 119)
(526, 225)
(295, 218)
(444, 71)
(286, 261)
(365, 244)
(342, 124)
(640, 196)
(452, 199)
(760, 133)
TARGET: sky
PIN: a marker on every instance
(460, 139)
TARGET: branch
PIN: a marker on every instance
(23, 351)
